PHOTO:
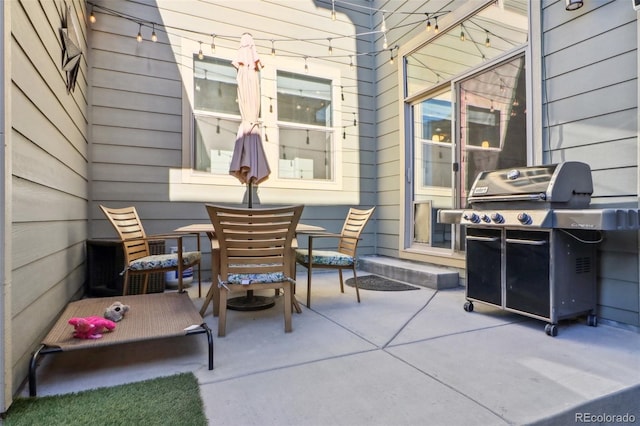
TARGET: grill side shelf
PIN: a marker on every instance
(598, 219)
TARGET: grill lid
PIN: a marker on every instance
(562, 185)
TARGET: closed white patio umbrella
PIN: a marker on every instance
(249, 163)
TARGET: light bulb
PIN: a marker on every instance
(154, 37)
(428, 24)
(139, 36)
(384, 43)
(213, 43)
(200, 54)
(92, 18)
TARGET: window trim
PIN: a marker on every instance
(452, 257)
(194, 185)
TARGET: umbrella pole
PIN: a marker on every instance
(250, 302)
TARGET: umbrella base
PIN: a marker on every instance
(250, 303)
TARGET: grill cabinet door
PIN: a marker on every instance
(527, 272)
(484, 281)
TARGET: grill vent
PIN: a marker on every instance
(583, 265)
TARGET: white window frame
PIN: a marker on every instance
(189, 184)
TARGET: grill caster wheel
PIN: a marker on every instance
(468, 306)
(592, 320)
(551, 330)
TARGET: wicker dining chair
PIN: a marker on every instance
(137, 256)
(344, 257)
(255, 253)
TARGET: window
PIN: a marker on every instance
(465, 105)
(304, 127)
(216, 114)
(298, 124)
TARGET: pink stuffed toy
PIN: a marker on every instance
(91, 327)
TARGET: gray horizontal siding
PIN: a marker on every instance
(49, 163)
(591, 94)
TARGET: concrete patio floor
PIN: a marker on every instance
(397, 358)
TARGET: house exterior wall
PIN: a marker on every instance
(48, 176)
(590, 84)
(141, 126)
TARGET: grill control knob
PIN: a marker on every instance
(497, 218)
(473, 218)
(485, 218)
(524, 218)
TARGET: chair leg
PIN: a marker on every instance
(222, 319)
(341, 282)
(145, 284)
(287, 307)
(309, 268)
(209, 298)
(125, 283)
(216, 300)
(199, 281)
(294, 301)
(355, 283)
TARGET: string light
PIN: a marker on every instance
(383, 27)
(355, 123)
(92, 17)
(487, 42)
(270, 105)
(200, 54)
(436, 29)
(154, 37)
(342, 92)
(428, 23)
(391, 60)
(306, 67)
(461, 33)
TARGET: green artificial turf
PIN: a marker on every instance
(173, 400)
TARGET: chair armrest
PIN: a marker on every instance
(171, 236)
(178, 237)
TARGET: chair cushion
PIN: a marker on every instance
(324, 257)
(157, 261)
(266, 278)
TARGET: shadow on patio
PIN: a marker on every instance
(401, 358)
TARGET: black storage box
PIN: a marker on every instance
(105, 262)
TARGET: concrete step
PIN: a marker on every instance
(417, 273)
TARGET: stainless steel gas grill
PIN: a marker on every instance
(531, 241)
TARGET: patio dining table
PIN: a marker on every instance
(207, 229)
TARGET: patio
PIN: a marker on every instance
(401, 358)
